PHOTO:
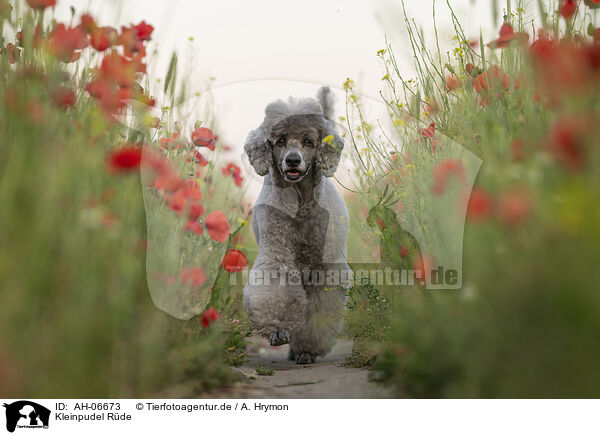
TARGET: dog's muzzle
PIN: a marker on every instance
(294, 167)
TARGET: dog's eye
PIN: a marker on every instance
(308, 142)
(280, 141)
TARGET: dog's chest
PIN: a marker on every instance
(310, 232)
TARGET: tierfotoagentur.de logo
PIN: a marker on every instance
(25, 414)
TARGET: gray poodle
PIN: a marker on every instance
(295, 292)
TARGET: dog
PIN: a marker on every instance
(295, 292)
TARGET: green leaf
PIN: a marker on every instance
(482, 49)
(171, 73)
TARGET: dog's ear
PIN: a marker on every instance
(258, 149)
(331, 150)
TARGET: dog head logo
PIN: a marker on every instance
(26, 414)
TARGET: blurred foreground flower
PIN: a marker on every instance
(480, 205)
(514, 207)
(568, 8)
(217, 225)
(193, 276)
(209, 316)
(442, 173)
(125, 159)
(567, 142)
(64, 42)
(41, 4)
(63, 97)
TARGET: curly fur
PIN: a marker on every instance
(299, 226)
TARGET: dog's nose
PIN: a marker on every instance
(293, 160)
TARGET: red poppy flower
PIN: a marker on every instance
(168, 142)
(192, 191)
(125, 159)
(194, 227)
(493, 82)
(183, 197)
(209, 316)
(155, 162)
(442, 173)
(41, 4)
(217, 225)
(97, 88)
(507, 35)
(493, 79)
(196, 210)
(137, 61)
(200, 160)
(118, 69)
(234, 261)
(177, 201)
(567, 142)
(514, 207)
(143, 31)
(479, 206)
(404, 251)
(452, 83)
(88, 24)
(429, 131)
(168, 181)
(110, 98)
(204, 137)
(122, 95)
(63, 97)
(568, 8)
(103, 38)
(131, 43)
(193, 276)
(429, 134)
(235, 171)
(63, 41)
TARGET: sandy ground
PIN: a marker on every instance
(327, 378)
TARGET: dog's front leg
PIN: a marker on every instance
(275, 301)
(274, 296)
(324, 311)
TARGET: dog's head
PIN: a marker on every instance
(294, 139)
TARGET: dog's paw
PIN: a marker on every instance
(279, 337)
(304, 358)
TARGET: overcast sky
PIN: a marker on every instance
(261, 50)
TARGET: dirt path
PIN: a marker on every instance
(325, 379)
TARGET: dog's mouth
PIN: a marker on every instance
(294, 175)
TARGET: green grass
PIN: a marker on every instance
(261, 370)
